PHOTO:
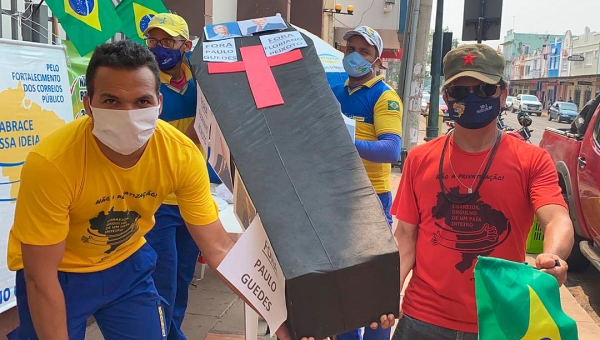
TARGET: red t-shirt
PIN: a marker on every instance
(495, 222)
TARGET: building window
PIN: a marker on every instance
(565, 65)
(526, 49)
(588, 58)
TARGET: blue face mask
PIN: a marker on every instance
(356, 66)
(166, 58)
(474, 112)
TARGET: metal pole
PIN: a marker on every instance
(436, 70)
(410, 41)
(14, 20)
(404, 29)
(416, 70)
(480, 21)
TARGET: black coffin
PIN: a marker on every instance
(308, 184)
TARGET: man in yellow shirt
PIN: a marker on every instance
(88, 195)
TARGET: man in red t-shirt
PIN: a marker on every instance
(473, 192)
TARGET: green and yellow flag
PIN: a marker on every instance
(77, 66)
(517, 302)
(88, 23)
(136, 15)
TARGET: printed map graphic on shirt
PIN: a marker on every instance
(22, 124)
(112, 229)
(462, 228)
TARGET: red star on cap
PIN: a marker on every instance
(469, 59)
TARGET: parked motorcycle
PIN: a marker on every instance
(524, 133)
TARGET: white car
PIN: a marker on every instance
(509, 101)
(527, 103)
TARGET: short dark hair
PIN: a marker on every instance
(124, 54)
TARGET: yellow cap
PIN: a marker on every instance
(172, 24)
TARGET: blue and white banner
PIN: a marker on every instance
(35, 97)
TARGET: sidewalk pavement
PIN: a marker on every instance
(216, 313)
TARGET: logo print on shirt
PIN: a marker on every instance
(112, 229)
(472, 229)
(393, 105)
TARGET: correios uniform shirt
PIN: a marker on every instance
(377, 110)
(179, 105)
(71, 191)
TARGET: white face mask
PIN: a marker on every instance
(124, 131)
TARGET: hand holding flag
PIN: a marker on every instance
(553, 265)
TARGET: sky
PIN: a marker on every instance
(530, 16)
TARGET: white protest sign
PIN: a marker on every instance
(222, 51)
(279, 43)
(252, 267)
(220, 158)
(351, 125)
(204, 119)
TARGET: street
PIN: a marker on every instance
(538, 126)
(584, 285)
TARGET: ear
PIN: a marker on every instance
(187, 46)
(378, 63)
(503, 96)
(160, 103)
(87, 106)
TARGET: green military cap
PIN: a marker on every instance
(478, 61)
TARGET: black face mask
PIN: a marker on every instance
(473, 111)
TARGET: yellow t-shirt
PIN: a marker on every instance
(71, 191)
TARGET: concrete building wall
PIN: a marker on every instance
(378, 16)
(220, 11)
(565, 64)
(194, 15)
(259, 8)
(586, 45)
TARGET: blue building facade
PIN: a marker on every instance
(554, 58)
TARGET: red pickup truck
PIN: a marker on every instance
(576, 155)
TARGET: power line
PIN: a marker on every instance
(365, 12)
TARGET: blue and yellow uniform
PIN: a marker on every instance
(377, 110)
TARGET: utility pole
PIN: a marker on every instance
(436, 70)
(413, 70)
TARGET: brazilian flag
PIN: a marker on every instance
(516, 301)
(136, 15)
(88, 23)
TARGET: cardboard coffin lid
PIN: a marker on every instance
(309, 186)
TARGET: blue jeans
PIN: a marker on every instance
(386, 204)
(411, 328)
(378, 334)
(122, 299)
(175, 267)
